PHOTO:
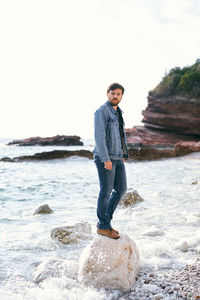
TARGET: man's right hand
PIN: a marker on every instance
(108, 165)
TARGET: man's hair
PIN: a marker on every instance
(115, 86)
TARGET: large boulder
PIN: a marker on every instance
(72, 234)
(109, 263)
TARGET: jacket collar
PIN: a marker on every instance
(113, 110)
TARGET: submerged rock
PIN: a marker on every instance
(43, 209)
(72, 234)
(109, 263)
(131, 198)
(58, 140)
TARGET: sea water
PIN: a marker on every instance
(168, 216)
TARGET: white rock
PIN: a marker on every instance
(52, 268)
(183, 246)
(72, 234)
(109, 263)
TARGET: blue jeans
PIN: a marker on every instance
(112, 187)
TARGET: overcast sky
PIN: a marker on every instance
(57, 58)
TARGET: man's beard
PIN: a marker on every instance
(116, 103)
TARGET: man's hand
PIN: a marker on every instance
(108, 165)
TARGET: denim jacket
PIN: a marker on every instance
(106, 133)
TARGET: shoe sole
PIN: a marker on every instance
(108, 236)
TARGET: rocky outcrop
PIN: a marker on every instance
(177, 115)
(109, 263)
(171, 128)
(58, 140)
(47, 155)
(72, 234)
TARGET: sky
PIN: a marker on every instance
(57, 58)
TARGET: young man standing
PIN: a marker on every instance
(109, 154)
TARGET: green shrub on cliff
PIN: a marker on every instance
(180, 82)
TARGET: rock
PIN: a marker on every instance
(109, 263)
(195, 182)
(158, 297)
(183, 148)
(179, 115)
(131, 198)
(6, 159)
(43, 209)
(154, 233)
(58, 140)
(171, 128)
(183, 246)
(55, 154)
(72, 234)
(52, 268)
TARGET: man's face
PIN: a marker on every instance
(114, 97)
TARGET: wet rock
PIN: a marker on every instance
(72, 234)
(154, 233)
(158, 297)
(6, 159)
(109, 263)
(131, 198)
(195, 182)
(183, 246)
(43, 209)
(48, 155)
(58, 140)
(52, 268)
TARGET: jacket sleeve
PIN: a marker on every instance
(100, 123)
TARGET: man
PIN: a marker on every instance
(109, 154)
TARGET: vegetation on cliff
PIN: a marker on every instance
(183, 82)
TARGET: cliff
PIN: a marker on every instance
(171, 119)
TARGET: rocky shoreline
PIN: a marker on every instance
(171, 284)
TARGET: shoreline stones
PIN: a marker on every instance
(72, 234)
(171, 284)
